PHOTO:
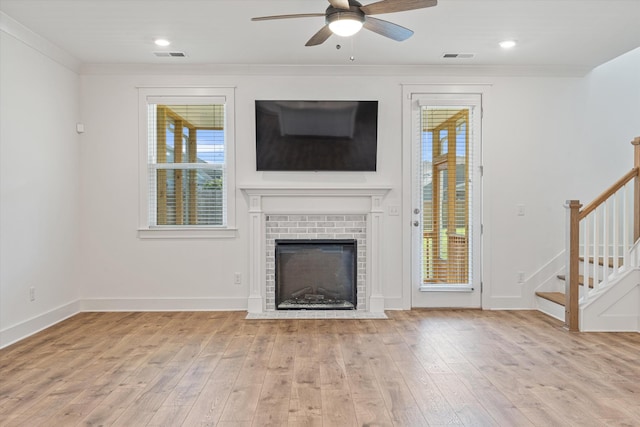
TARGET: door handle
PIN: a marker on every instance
(416, 223)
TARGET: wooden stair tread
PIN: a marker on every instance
(591, 261)
(557, 297)
(580, 280)
(601, 261)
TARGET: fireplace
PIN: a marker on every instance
(280, 213)
(316, 274)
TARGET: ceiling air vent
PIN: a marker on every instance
(458, 55)
(170, 54)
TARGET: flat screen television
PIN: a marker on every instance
(316, 135)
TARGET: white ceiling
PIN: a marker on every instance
(550, 33)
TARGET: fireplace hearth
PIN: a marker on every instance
(316, 274)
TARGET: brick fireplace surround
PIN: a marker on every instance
(314, 213)
(310, 227)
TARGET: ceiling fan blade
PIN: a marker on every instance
(390, 6)
(387, 29)
(320, 37)
(340, 4)
(298, 15)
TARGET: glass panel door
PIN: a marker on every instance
(447, 196)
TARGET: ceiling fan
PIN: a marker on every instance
(347, 17)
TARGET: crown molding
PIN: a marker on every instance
(18, 31)
(435, 70)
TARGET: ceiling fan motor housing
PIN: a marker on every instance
(354, 13)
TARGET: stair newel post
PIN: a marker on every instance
(572, 290)
(636, 190)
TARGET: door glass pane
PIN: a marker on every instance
(445, 191)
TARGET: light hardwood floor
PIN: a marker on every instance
(418, 368)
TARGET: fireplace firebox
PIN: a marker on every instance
(316, 274)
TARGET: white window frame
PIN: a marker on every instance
(182, 95)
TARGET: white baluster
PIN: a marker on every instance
(605, 249)
(596, 246)
(616, 231)
(586, 265)
(626, 226)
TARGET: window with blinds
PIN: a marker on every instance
(446, 194)
(187, 155)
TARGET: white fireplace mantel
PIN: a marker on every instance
(266, 200)
(263, 190)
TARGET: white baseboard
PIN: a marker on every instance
(164, 304)
(506, 303)
(396, 303)
(36, 324)
(624, 323)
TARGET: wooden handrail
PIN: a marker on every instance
(633, 173)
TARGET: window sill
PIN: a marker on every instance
(187, 233)
(446, 288)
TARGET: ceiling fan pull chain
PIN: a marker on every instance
(352, 58)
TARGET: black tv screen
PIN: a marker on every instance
(316, 135)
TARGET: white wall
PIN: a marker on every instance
(530, 128)
(39, 197)
(527, 154)
(612, 119)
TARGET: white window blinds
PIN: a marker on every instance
(187, 161)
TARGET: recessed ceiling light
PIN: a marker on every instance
(507, 44)
(162, 42)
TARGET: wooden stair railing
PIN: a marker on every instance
(601, 235)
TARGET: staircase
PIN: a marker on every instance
(558, 299)
(601, 278)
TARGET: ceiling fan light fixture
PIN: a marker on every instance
(345, 24)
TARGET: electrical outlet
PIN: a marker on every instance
(32, 294)
(394, 210)
(237, 278)
(520, 276)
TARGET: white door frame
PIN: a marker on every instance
(408, 93)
